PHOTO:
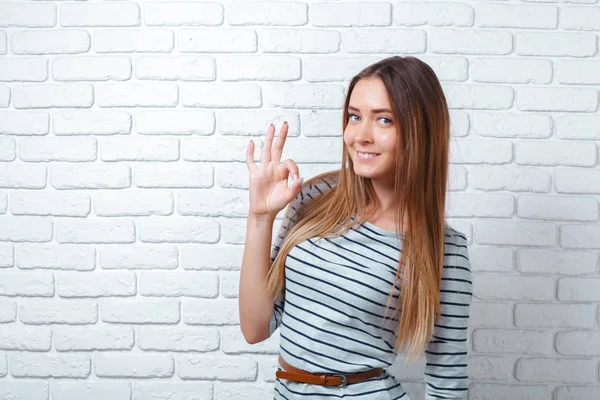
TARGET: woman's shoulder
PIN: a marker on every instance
(318, 185)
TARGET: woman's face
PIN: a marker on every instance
(371, 129)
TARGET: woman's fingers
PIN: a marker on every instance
(266, 150)
(250, 156)
(279, 143)
(291, 166)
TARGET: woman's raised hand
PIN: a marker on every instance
(269, 192)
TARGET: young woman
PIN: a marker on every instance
(364, 264)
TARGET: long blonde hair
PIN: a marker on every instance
(420, 111)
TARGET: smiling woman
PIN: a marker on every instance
(364, 264)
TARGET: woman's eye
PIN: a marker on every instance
(352, 115)
(387, 119)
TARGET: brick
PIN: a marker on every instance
(580, 18)
(292, 95)
(176, 122)
(491, 97)
(222, 95)
(117, 230)
(179, 230)
(182, 175)
(256, 122)
(481, 151)
(8, 149)
(558, 208)
(8, 310)
(561, 262)
(350, 14)
(579, 289)
(507, 341)
(182, 13)
(153, 40)
(25, 338)
(200, 202)
(389, 40)
(24, 123)
(511, 70)
(155, 94)
(330, 68)
(53, 95)
(103, 284)
(30, 15)
(25, 69)
(210, 311)
(485, 368)
(555, 44)
(58, 311)
(233, 230)
(516, 233)
(491, 259)
(23, 389)
(96, 122)
(32, 365)
(221, 257)
(4, 96)
(25, 176)
(174, 390)
(63, 41)
(554, 316)
(26, 229)
(3, 42)
(259, 68)
(50, 203)
(230, 390)
(448, 68)
(580, 236)
(93, 390)
(136, 203)
(90, 176)
(555, 370)
(470, 41)
(509, 391)
(573, 393)
(577, 181)
(556, 99)
(229, 284)
(184, 339)
(71, 149)
(93, 338)
(217, 40)
(267, 13)
(516, 16)
(143, 311)
(60, 257)
(3, 205)
(224, 368)
(103, 68)
(3, 364)
(481, 205)
(433, 13)
(511, 125)
(515, 287)
(132, 365)
(577, 72)
(139, 149)
(185, 68)
(100, 14)
(291, 40)
(170, 284)
(511, 178)
(139, 257)
(232, 176)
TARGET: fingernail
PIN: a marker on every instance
(301, 181)
(285, 122)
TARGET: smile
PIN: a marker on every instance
(366, 156)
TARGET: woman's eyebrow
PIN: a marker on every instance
(375, 110)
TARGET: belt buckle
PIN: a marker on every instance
(344, 380)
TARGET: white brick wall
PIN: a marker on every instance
(123, 188)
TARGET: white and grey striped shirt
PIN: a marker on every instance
(332, 313)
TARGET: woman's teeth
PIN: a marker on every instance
(367, 155)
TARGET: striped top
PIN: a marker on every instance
(331, 314)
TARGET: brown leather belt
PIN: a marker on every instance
(298, 375)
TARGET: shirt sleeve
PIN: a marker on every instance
(289, 220)
(446, 375)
